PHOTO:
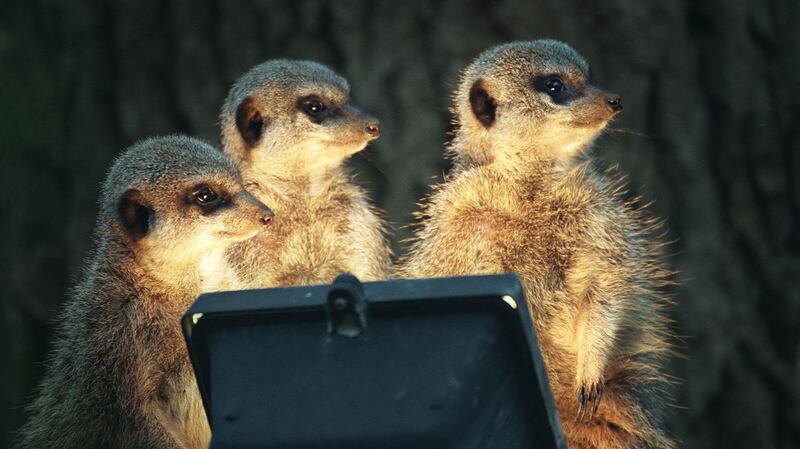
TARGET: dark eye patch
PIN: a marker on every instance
(207, 198)
(558, 88)
(315, 108)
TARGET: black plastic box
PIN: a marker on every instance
(432, 363)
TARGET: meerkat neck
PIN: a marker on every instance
(275, 159)
(474, 151)
(141, 276)
(295, 175)
(215, 274)
(184, 276)
(516, 160)
(166, 271)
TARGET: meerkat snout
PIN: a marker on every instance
(263, 213)
(372, 126)
(360, 119)
(614, 102)
(373, 129)
(266, 219)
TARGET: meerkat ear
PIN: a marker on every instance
(483, 105)
(249, 121)
(134, 215)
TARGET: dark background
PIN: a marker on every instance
(710, 131)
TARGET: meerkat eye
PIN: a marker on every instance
(554, 86)
(205, 197)
(312, 106)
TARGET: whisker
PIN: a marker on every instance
(627, 131)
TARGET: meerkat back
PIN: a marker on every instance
(525, 196)
(290, 126)
(119, 375)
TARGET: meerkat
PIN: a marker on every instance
(524, 196)
(119, 375)
(289, 126)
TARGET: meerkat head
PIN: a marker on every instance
(173, 200)
(529, 99)
(288, 111)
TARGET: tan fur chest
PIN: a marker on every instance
(312, 239)
(525, 226)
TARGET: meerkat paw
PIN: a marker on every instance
(589, 396)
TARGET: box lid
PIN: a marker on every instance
(429, 363)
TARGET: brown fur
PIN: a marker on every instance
(119, 375)
(523, 198)
(293, 162)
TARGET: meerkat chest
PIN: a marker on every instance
(532, 219)
(471, 220)
(309, 241)
(476, 202)
(301, 218)
(531, 231)
(215, 272)
(549, 235)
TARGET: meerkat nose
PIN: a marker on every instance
(266, 218)
(373, 129)
(614, 102)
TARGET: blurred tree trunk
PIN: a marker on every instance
(710, 131)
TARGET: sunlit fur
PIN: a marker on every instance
(324, 223)
(119, 375)
(525, 197)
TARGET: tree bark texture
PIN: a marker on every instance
(710, 133)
